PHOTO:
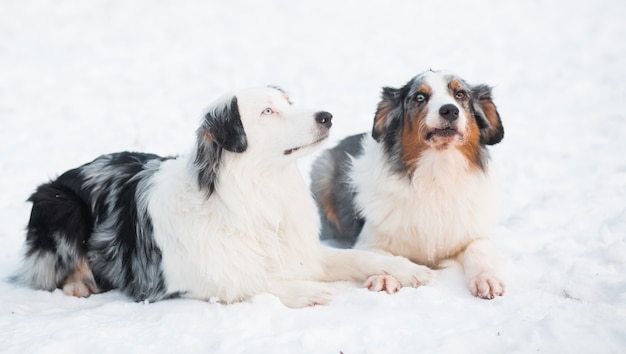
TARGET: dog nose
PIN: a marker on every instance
(449, 112)
(324, 118)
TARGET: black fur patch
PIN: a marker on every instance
(98, 211)
(221, 129)
(393, 109)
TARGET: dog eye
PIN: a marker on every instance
(420, 97)
(460, 95)
(268, 111)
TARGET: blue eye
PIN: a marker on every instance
(420, 97)
(268, 111)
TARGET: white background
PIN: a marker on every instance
(83, 78)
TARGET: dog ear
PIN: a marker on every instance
(388, 107)
(487, 116)
(221, 129)
(223, 125)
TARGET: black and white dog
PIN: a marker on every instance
(419, 185)
(232, 219)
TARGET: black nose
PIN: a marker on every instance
(449, 112)
(324, 118)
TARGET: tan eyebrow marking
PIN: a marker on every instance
(425, 89)
(455, 86)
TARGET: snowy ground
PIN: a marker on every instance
(82, 78)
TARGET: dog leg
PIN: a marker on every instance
(378, 271)
(301, 293)
(480, 261)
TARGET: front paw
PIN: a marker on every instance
(307, 295)
(486, 286)
(383, 283)
(421, 275)
(411, 274)
(407, 274)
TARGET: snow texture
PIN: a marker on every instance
(83, 78)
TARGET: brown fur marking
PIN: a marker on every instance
(471, 142)
(454, 86)
(207, 136)
(328, 207)
(491, 114)
(380, 119)
(413, 139)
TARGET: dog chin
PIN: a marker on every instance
(441, 139)
(306, 146)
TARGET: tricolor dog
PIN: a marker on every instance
(419, 185)
(231, 219)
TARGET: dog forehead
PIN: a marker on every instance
(430, 82)
(283, 94)
(263, 96)
(438, 82)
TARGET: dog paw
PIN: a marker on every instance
(400, 273)
(81, 282)
(383, 283)
(309, 295)
(420, 275)
(411, 274)
(79, 288)
(486, 286)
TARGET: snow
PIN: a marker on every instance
(83, 78)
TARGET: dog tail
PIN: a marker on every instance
(56, 239)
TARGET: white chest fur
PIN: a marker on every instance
(231, 244)
(426, 218)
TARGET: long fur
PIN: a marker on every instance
(419, 185)
(229, 220)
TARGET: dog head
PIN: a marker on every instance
(262, 125)
(437, 111)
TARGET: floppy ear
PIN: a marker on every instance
(487, 116)
(223, 125)
(221, 129)
(388, 107)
